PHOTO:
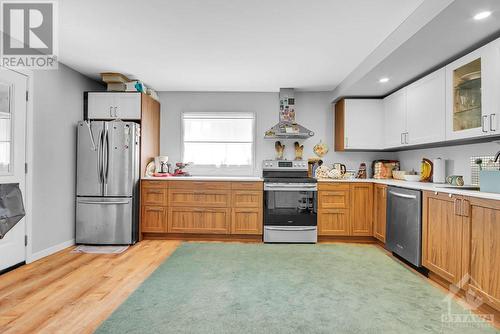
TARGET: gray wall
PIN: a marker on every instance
(313, 111)
(57, 106)
(457, 157)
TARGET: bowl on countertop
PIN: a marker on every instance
(399, 174)
(412, 178)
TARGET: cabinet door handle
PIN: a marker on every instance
(465, 208)
(483, 123)
(116, 115)
(456, 207)
(402, 141)
(111, 111)
(407, 135)
(346, 142)
(155, 192)
(492, 122)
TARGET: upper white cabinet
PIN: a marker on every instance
(114, 105)
(359, 124)
(395, 119)
(425, 110)
(472, 94)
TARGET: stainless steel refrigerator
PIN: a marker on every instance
(107, 182)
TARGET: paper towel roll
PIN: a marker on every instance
(439, 170)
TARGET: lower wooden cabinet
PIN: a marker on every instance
(484, 248)
(206, 207)
(361, 209)
(333, 222)
(442, 235)
(154, 219)
(345, 209)
(191, 220)
(246, 221)
(379, 211)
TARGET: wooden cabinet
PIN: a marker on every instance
(361, 209)
(153, 219)
(395, 119)
(199, 198)
(425, 109)
(334, 196)
(154, 196)
(198, 220)
(442, 234)
(246, 221)
(359, 124)
(379, 211)
(202, 207)
(483, 245)
(333, 222)
(345, 209)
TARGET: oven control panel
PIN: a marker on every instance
(284, 165)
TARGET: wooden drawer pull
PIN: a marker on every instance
(155, 192)
(155, 210)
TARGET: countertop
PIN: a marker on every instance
(422, 186)
(205, 178)
(391, 182)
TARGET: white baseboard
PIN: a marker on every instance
(50, 250)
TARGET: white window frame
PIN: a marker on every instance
(213, 170)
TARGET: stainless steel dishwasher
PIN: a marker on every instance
(404, 224)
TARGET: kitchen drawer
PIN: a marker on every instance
(333, 222)
(199, 198)
(333, 186)
(154, 184)
(246, 199)
(334, 199)
(247, 186)
(154, 196)
(198, 220)
(200, 185)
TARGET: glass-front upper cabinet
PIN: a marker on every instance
(471, 88)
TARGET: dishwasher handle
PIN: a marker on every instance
(403, 195)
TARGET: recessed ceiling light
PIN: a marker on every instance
(482, 15)
(383, 80)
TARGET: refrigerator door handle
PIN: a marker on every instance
(105, 203)
(105, 157)
(99, 157)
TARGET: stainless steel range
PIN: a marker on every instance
(290, 202)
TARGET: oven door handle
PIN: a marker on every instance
(292, 187)
(289, 228)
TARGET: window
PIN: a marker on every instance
(5, 130)
(219, 143)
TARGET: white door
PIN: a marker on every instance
(395, 119)
(128, 106)
(364, 124)
(426, 109)
(12, 157)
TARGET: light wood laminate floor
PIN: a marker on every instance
(73, 293)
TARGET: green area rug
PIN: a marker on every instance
(259, 288)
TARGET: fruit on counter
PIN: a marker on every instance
(426, 170)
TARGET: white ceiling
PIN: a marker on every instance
(227, 45)
(448, 35)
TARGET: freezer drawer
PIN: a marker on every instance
(291, 234)
(105, 221)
